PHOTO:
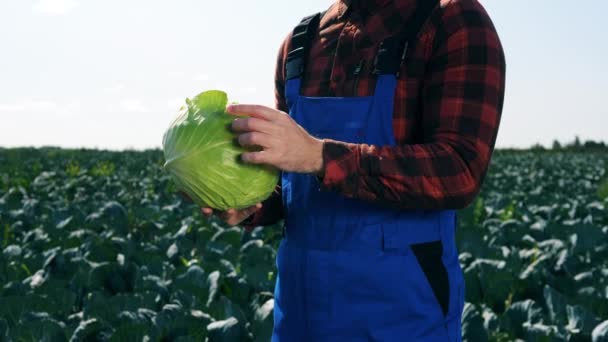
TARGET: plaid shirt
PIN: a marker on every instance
(447, 105)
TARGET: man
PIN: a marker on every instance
(387, 114)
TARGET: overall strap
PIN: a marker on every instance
(295, 62)
(393, 50)
(302, 36)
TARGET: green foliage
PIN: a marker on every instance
(6, 235)
(535, 254)
(508, 212)
(103, 169)
(602, 190)
(72, 169)
(556, 145)
(97, 246)
(100, 247)
(479, 211)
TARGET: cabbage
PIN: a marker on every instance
(203, 157)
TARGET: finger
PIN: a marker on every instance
(257, 111)
(245, 213)
(261, 157)
(227, 215)
(252, 124)
(239, 215)
(255, 139)
(250, 211)
(207, 211)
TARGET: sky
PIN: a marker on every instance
(112, 74)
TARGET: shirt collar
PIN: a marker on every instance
(367, 6)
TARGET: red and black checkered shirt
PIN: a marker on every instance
(446, 111)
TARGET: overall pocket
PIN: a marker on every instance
(423, 251)
(428, 258)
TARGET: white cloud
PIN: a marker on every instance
(133, 106)
(71, 110)
(36, 109)
(176, 103)
(43, 106)
(117, 87)
(73, 106)
(201, 77)
(29, 106)
(55, 7)
(176, 73)
(11, 107)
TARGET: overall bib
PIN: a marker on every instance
(351, 270)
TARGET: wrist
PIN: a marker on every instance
(316, 157)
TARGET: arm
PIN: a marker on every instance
(462, 99)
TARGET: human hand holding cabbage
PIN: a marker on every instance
(231, 216)
(285, 144)
(229, 165)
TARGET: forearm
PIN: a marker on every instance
(433, 176)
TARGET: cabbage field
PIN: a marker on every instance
(97, 246)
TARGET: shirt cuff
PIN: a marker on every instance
(340, 163)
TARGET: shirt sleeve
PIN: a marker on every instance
(272, 208)
(462, 99)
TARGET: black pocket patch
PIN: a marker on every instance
(428, 255)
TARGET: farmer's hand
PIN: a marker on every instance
(231, 217)
(285, 144)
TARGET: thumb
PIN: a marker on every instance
(245, 213)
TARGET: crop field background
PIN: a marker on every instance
(97, 246)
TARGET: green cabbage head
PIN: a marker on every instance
(203, 157)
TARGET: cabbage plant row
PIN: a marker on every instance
(97, 246)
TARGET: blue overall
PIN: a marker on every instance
(347, 270)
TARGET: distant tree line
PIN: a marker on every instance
(575, 145)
